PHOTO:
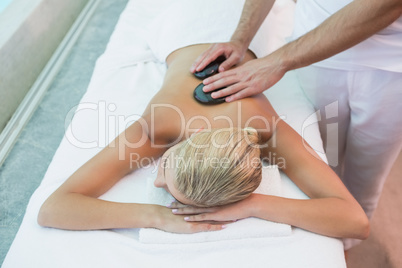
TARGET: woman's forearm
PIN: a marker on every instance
(331, 209)
(327, 216)
(254, 13)
(349, 26)
(75, 211)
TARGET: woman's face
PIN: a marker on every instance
(166, 175)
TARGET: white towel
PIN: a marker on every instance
(242, 229)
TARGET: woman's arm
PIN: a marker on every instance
(75, 205)
(331, 210)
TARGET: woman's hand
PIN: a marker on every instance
(252, 78)
(169, 222)
(228, 213)
(233, 51)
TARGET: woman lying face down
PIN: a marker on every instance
(212, 168)
(215, 194)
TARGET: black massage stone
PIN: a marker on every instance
(211, 68)
(205, 97)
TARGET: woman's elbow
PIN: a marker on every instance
(47, 214)
(44, 215)
(362, 229)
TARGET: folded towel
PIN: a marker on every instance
(242, 229)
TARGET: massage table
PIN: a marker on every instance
(125, 78)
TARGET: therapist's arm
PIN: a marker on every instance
(349, 26)
(253, 14)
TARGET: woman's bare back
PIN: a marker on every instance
(174, 113)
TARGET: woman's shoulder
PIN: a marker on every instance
(256, 106)
(258, 113)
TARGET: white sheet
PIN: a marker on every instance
(124, 80)
(209, 24)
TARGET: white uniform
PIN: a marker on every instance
(359, 94)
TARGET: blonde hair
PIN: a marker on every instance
(219, 167)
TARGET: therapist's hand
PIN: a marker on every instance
(249, 79)
(233, 51)
(228, 213)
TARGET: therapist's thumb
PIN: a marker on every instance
(232, 60)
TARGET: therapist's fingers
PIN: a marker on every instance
(254, 77)
(229, 91)
(206, 58)
(237, 91)
(199, 62)
(220, 80)
(232, 59)
(232, 51)
(233, 88)
(241, 94)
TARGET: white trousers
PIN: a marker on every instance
(361, 125)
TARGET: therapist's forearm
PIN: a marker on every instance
(253, 14)
(349, 26)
